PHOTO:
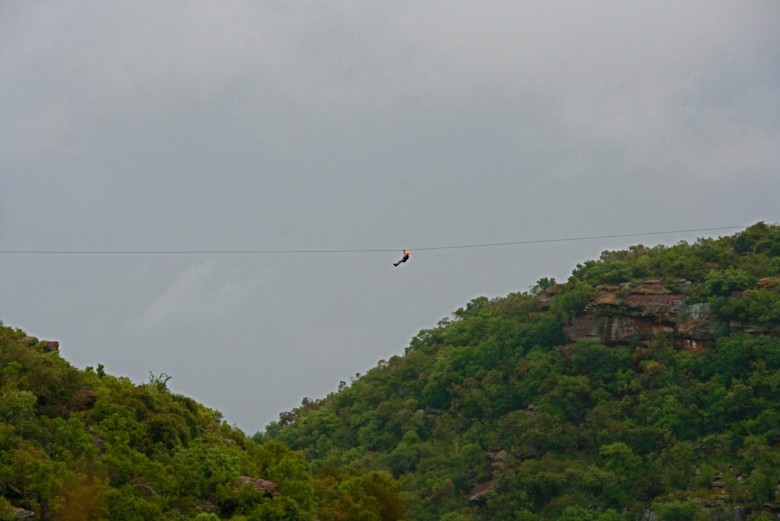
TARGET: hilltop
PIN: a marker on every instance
(647, 386)
(82, 445)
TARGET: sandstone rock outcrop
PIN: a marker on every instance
(628, 314)
(269, 487)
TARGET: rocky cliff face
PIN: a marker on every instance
(637, 313)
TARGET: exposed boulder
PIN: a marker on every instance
(661, 307)
(84, 399)
(583, 327)
(269, 487)
(144, 487)
(498, 459)
(478, 495)
(546, 297)
(626, 313)
(696, 322)
(23, 513)
(47, 346)
(606, 295)
(50, 346)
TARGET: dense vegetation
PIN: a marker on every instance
(493, 415)
(84, 446)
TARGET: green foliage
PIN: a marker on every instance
(492, 414)
(496, 405)
(542, 284)
(680, 511)
(571, 303)
(759, 238)
(86, 446)
(576, 513)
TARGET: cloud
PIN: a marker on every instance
(351, 124)
(201, 293)
(596, 65)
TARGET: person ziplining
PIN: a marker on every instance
(405, 258)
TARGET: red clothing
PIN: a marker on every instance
(405, 258)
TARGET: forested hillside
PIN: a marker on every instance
(86, 446)
(647, 386)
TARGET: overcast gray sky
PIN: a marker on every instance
(277, 125)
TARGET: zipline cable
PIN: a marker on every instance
(423, 248)
(569, 239)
